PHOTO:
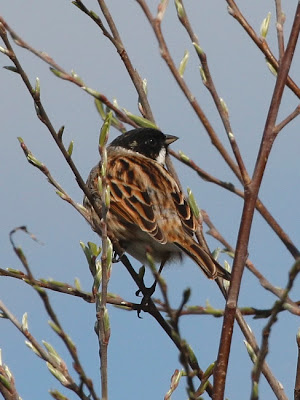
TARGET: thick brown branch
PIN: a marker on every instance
(251, 193)
(297, 382)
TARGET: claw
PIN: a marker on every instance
(116, 257)
(148, 292)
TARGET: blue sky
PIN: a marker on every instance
(141, 358)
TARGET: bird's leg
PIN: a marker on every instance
(162, 264)
(117, 257)
(148, 292)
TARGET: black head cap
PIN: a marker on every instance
(147, 141)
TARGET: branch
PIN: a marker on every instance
(153, 311)
(264, 348)
(260, 207)
(251, 193)
(279, 27)
(164, 51)
(297, 382)
(103, 326)
(60, 191)
(7, 383)
(57, 70)
(287, 120)
(115, 39)
(55, 364)
(209, 84)
(260, 43)
(290, 305)
(185, 349)
(57, 328)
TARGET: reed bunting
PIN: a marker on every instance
(148, 211)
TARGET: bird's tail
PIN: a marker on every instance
(211, 268)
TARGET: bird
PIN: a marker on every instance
(148, 212)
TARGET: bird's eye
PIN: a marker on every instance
(150, 142)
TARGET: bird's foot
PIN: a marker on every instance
(147, 293)
(117, 257)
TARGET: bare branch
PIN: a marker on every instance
(287, 120)
(103, 329)
(279, 27)
(257, 368)
(58, 329)
(7, 383)
(57, 70)
(164, 51)
(115, 38)
(260, 207)
(297, 382)
(290, 305)
(260, 43)
(251, 192)
(208, 82)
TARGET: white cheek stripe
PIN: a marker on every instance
(161, 158)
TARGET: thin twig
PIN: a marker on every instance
(115, 39)
(27, 334)
(43, 115)
(209, 84)
(174, 321)
(61, 192)
(279, 27)
(260, 43)
(55, 286)
(264, 348)
(256, 313)
(45, 355)
(103, 330)
(260, 207)
(275, 385)
(58, 70)
(118, 301)
(7, 383)
(164, 51)
(59, 330)
(290, 305)
(287, 120)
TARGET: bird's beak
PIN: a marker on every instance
(170, 139)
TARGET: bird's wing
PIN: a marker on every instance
(144, 193)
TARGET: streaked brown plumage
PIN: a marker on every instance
(148, 211)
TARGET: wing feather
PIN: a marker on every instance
(130, 197)
(135, 199)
